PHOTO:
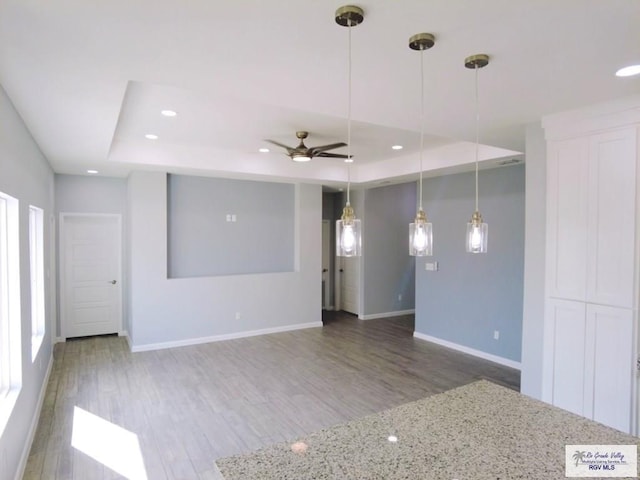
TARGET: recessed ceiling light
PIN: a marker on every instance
(169, 113)
(396, 147)
(628, 71)
(92, 172)
(263, 150)
(392, 438)
(151, 136)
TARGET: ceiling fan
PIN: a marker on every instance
(302, 153)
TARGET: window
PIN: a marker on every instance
(10, 342)
(36, 262)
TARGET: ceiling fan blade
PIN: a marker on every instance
(332, 155)
(324, 148)
(282, 145)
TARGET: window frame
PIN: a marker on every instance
(10, 312)
(36, 270)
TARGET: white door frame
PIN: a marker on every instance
(52, 274)
(62, 266)
(326, 264)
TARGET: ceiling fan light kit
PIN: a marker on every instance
(348, 228)
(421, 231)
(302, 153)
(477, 230)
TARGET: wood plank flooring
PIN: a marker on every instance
(191, 405)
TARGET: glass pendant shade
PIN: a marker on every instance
(348, 234)
(477, 234)
(420, 236)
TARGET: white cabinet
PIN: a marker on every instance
(565, 339)
(609, 366)
(591, 213)
(611, 218)
(590, 361)
(592, 263)
(567, 183)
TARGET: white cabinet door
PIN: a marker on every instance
(588, 365)
(609, 371)
(611, 207)
(567, 184)
(565, 341)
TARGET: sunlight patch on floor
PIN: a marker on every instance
(109, 444)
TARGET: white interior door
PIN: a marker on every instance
(350, 284)
(90, 293)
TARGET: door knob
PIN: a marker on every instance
(324, 270)
(113, 282)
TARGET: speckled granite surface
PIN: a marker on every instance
(479, 431)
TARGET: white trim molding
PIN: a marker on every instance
(219, 338)
(34, 423)
(471, 351)
(399, 313)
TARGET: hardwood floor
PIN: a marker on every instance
(191, 405)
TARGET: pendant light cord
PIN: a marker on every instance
(421, 117)
(477, 132)
(348, 160)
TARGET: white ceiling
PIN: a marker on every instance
(90, 77)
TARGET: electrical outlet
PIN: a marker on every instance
(496, 334)
(238, 315)
(399, 297)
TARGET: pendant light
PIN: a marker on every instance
(421, 231)
(348, 228)
(477, 230)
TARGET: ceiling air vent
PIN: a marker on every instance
(511, 161)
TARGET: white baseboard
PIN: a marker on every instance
(373, 316)
(471, 351)
(59, 340)
(34, 423)
(219, 338)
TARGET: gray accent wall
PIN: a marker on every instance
(534, 262)
(473, 295)
(202, 242)
(26, 175)
(165, 311)
(388, 271)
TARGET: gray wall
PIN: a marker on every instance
(166, 312)
(92, 194)
(473, 295)
(534, 263)
(202, 242)
(26, 175)
(388, 270)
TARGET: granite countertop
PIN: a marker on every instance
(478, 431)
